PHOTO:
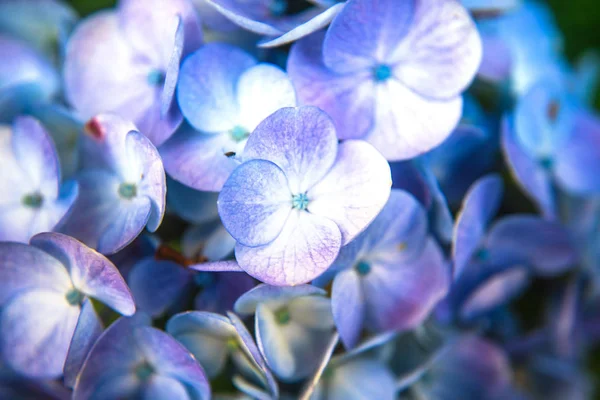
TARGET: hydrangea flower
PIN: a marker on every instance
(391, 276)
(126, 62)
(267, 17)
(293, 327)
(47, 318)
(300, 196)
(224, 93)
(494, 265)
(26, 79)
(133, 360)
(390, 73)
(122, 186)
(37, 200)
(552, 142)
(466, 368)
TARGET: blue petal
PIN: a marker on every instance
(479, 206)
(248, 302)
(209, 102)
(36, 327)
(88, 330)
(91, 272)
(348, 304)
(157, 285)
(255, 202)
(193, 206)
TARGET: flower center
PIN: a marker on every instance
(546, 162)
(278, 7)
(74, 297)
(127, 190)
(300, 201)
(282, 316)
(156, 77)
(553, 110)
(33, 200)
(144, 371)
(239, 133)
(363, 268)
(382, 73)
(482, 255)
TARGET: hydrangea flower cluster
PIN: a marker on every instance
(271, 199)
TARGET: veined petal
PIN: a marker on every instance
(207, 84)
(407, 124)
(88, 330)
(348, 305)
(307, 246)
(247, 303)
(36, 154)
(201, 161)
(36, 328)
(479, 206)
(255, 202)
(354, 190)
(348, 99)
(24, 267)
(314, 24)
(301, 141)
(441, 53)
(365, 33)
(262, 90)
(91, 272)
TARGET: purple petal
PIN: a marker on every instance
(205, 335)
(498, 289)
(407, 124)
(406, 175)
(150, 26)
(218, 266)
(480, 205)
(579, 156)
(246, 16)
(301, 141)
(24, 268)
(255, 203)
(348, 99)
(532, 178)
(348, 305)
(115, 349)
(172, 72)
(88, 330)
(171, 359)
(203, 162)
(221, 296)
(314, 24)
(546, 245)
(366, 32)
(354, 190)
(251, 350)
(161, 387)
(247, 303)
(157, 285)
(441, 53)
(152, 181)
(307, 246)
(401, 296)
(262, 90)
(35, 152)
(496, 61)
(36, 327)
(100, 68)
(207, 86)
(91, 272)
